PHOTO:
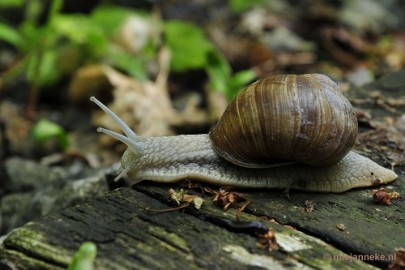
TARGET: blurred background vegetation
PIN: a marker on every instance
(214, 46)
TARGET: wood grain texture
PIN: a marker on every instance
(129, 237)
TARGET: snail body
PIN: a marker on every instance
(333, 167)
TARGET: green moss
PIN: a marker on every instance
(22, 261)
(171, 239)
(37, 244)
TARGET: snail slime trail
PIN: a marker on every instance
(259, 145)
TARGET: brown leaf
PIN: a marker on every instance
(181, 197)
(226, 199)
(381, 196)
(341, 227)
(268, 240)
(399, 262)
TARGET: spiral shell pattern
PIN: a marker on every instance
(282, 118)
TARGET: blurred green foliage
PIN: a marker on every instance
(11, 3)
(221, 78)
(35, 44)
(45, 130)
(111, 19)
(238, 6)
(188, 44)
(10, 35)
(66, 41)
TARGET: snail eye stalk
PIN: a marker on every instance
(125, 128)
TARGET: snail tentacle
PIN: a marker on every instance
(135, 146)
(127, 130)
(122, 174)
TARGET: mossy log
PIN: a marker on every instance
(129, 236)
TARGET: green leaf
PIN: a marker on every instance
(188, 44)
(84, 258)
(11, 3)
(238, 6)
(10, 35)
(219, 72)
(133, 65)
(42, 69)
(81, 31)
(110, 18)
(238, 81)
(45, 130)
(33, 36)
(221, 78)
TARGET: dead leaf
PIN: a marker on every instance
(241, 209)
(341, 227)
(16, 128)
(399, 262)
(224, 198)
(181, 197)
(268, 241)
(89, 80)
(146, 106)
(381, 196)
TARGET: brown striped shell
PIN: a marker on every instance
(301, 118)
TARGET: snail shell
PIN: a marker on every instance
(302, 118)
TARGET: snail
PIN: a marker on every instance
(283, 131)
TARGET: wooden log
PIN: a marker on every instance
(128, 236)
